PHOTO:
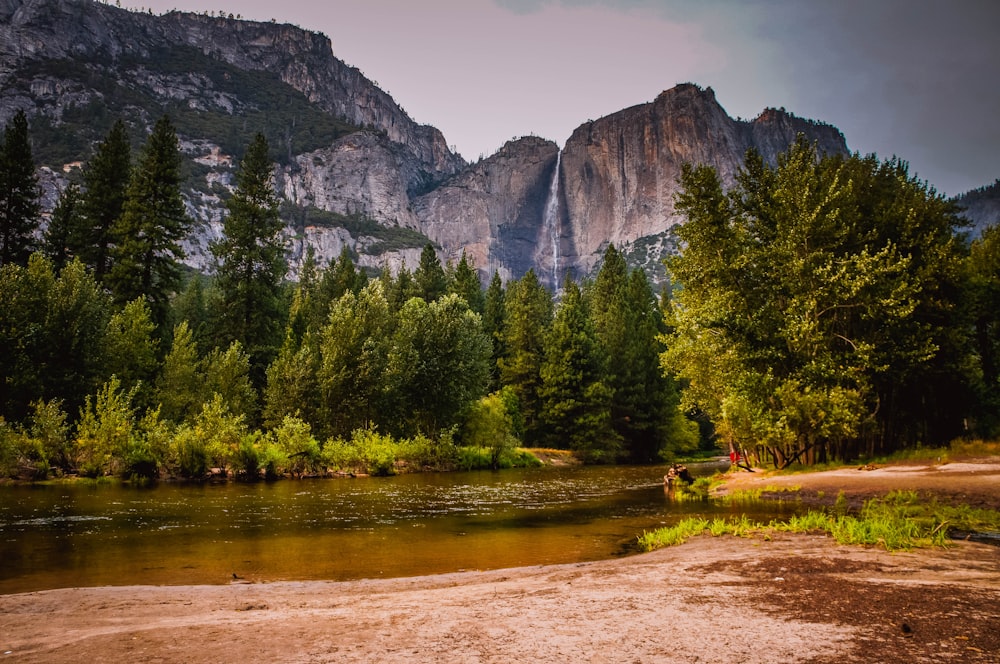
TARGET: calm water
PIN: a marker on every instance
(77, 535)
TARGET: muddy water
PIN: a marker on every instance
(88, 535)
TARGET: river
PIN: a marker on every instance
(92, 534)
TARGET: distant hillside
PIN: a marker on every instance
(981, 207)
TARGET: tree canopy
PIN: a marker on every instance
(815, 305)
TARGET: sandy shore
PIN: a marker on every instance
(795, 598)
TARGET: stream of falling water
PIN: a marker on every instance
(551, 220)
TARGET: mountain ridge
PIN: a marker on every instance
(346, 149)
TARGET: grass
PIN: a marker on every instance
(900, 521)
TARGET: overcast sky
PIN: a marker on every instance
(919, 79)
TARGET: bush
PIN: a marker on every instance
(293, 438)
(192, 457)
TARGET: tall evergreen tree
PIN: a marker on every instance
(180, 388)
(151, 227)
(983, 302)
(494, 317)
(627, 321)
(576, 402)
(105, 180)
(57, 239)
(19, 193)
(528, 313)
(431, 280)
(465, 283)
(251, 261)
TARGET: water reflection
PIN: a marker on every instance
(86, 534)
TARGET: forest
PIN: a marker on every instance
(824, 308)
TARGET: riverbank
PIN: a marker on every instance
(793, 598)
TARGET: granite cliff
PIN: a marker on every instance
(354, 170)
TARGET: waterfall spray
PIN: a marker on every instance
(551, 220)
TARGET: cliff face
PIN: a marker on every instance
(354, 170)
(495, 209)
(616, 183)
(83, 29)
(621, 172)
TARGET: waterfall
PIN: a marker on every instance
(551, 220)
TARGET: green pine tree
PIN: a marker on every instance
(528, 313)
(465, 283)
(57, 239)
(105, 182)
(251, 262)
(19, 193)
(151, 227)
(431, 280)
(576, 402)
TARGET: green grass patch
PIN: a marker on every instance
(900, 521)
(673, 535)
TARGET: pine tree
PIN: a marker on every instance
(494, 317)
(431, 280)
(528, 313)
(627, 322)
(465, 283)
(576, 402)
(19, 193)
(105, 180)
(251, 261)
(152, 225)
(57, 239)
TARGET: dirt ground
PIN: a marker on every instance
(795, 598)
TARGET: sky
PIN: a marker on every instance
(915, 79)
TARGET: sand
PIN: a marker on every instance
(793, 598)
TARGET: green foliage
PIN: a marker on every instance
(489, 426)
(251, 261)
(464, 282)
(106, 178)
(132, 348)
(983, 302)
(815, 313)
(52, 334)
(575, 401)
(265, 104)
(152, 224)
(106, 436)
(221, 433)
(19, 193)
(57, 240)
(527, 315)
(673, 535)
(438, 363)
(431, 280)
(293, 437)
(898, 522)
(179, 389)
(292, 388)
(354, 349)
(226, 374)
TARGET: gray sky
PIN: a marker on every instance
(919, 79)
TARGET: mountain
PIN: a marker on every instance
(981, 207)
(353, 169)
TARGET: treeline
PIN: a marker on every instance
(117, 367)
(832, 308)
